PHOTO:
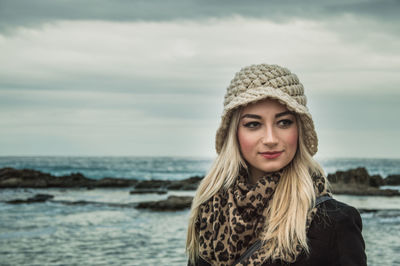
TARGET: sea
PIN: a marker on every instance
(104, 231)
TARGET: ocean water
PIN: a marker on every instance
(167, 168)
(106, 231)
(141, 168)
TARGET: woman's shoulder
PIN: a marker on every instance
(334, 217)
(338, 211)
(336, 233)
(336, 220)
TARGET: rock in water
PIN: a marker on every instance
(392, 180)
(172, 203)
(152, 184)
(190, 183)
(148, 191)
(35, 199)
(376, 181)
(359, 182)
(14, 178)
(353, 176)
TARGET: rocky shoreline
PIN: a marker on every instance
(172, 203)
(27, 178)
(358, 182)
(351, 182)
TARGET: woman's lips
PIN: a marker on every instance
(271, 155)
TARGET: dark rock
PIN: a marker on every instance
(35, 199)
(392, 180)
(186, 184)
(376, 181)
(26, 178)
(72, 180)
(115, 182)
(172, 203)
(352, 176)
(152, 184)
(359, 182)
(96, 203)
(77, 202)
(367, 210)
(10, 177)
(148, 191)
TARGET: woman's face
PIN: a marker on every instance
(268, 136)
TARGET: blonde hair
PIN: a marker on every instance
(286, 215)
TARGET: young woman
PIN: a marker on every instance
(265, 200)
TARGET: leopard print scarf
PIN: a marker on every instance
(231, 221)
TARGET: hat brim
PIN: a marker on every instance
(261, 93)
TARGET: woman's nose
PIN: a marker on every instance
(269, 137)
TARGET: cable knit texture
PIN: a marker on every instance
(258, 82)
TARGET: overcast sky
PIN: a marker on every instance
(148, 77)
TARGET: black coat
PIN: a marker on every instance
(334, 238)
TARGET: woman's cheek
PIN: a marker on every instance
(293, 138)
(245, 142)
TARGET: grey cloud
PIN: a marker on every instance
(14, 13)
(384, 10)
(137, 85)
(356, 112)
(153, 106)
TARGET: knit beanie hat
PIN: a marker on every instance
(258, 82)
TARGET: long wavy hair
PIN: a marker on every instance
(286, 214)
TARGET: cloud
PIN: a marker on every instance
(27, 13)
(188, 58)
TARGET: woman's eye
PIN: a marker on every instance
(285, 122)
(251, 124)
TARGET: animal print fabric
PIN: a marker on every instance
(231, 221)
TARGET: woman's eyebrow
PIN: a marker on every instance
(284, 113)
(251, 116)
(259, 117)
